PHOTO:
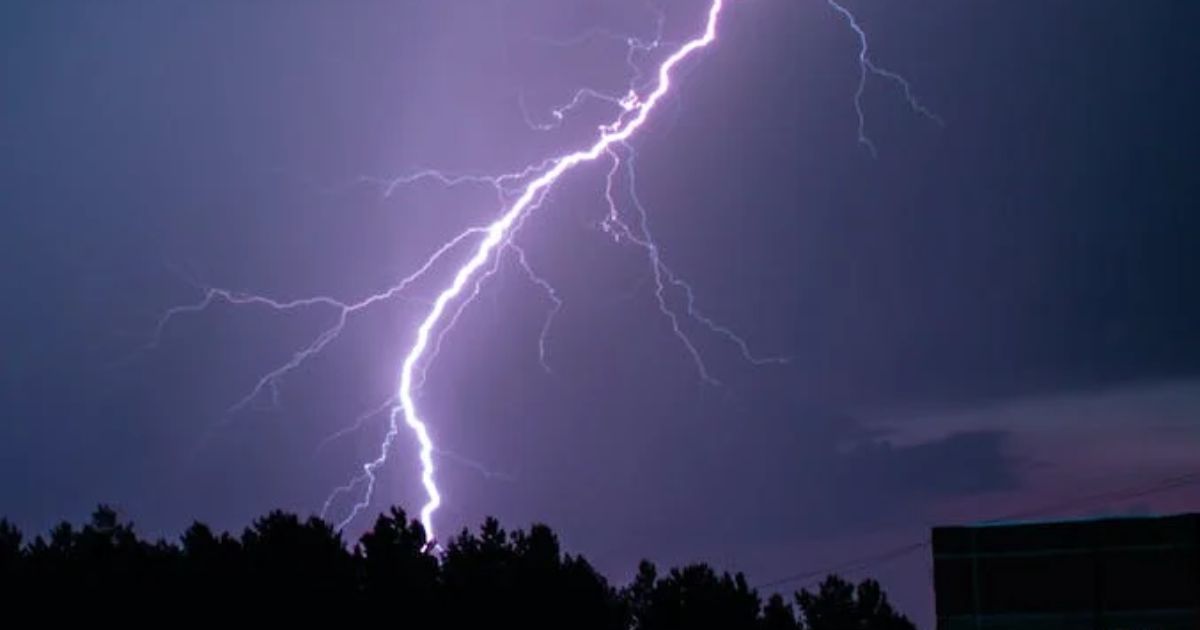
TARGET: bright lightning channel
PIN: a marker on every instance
(521, 195)
(496, 235)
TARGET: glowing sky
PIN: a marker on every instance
(991, 314)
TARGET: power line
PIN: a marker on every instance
(851, 565)
(1163, 485)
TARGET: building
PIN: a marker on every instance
(1112, 574)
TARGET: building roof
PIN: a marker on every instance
(1133, 532)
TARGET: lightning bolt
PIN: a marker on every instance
(519, 193)
(662, 275)
(496, 235)
(868, 67)
(551, 293)
(635, 47)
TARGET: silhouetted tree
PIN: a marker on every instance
(475, 572)
(10, 543)
(213, 565)
(102, 562)
(303, 564)
(638, 596)
(396, 570)
(838, 605)
(778, 615)
(491, 578)
(11, 557)
(523, 580)
(564, 584)
(695, 597)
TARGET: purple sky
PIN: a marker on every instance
(992, 316)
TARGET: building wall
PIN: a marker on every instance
(1127, 573)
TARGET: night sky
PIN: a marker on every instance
(993, 316)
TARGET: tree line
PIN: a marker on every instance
(490, 578)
